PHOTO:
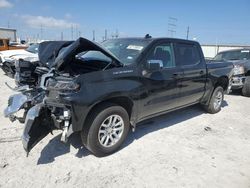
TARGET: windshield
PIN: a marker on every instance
(93, 55)
(33, 48)
(126, 50)
(233, 55)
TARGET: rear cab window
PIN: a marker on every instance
(187, 54)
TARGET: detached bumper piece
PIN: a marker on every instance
(38, 124)
(15, 103)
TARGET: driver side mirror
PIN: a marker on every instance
(154, 65)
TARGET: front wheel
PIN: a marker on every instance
(246, 87)
(216, 100)
(108, 128)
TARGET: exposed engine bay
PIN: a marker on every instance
(60, 64)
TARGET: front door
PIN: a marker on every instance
(162, 87)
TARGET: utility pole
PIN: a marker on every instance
(172, 24)
(116, 33)
(72, 32)
(41, 37)
(187, 32)
(76, 31)
(61, 35)
(93, 35)
(106, 35)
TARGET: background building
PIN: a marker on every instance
(8, 33)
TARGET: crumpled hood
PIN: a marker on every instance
(78, 46)
(49, 50)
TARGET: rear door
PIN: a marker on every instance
(162, 86)
(189, 57)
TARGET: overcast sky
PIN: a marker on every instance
(210, 22)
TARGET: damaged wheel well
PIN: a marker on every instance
(223, 82)
(124, 102)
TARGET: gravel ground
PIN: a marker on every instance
(187, 148)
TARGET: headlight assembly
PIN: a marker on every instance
(66, 86)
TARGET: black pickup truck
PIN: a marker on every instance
(104, 90)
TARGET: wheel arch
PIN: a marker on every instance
(222, 81)
(122, 101)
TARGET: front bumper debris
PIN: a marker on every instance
(15, 103)
(238, 82)
(38, 124)
(40, 121)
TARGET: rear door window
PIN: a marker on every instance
(187, 54)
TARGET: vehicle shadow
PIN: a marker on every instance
(56, 148)
(237, 92)
(165, 121)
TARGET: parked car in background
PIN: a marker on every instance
(103, 90)
(5, 44)
(241, 61)
(8, 57)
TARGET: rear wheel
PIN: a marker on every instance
(216, 100)
(246, 87)
(107, 129)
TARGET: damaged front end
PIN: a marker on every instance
(40, 121)
(62, 89)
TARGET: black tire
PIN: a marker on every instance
(89, 134)
(246, 87)
(211, 107)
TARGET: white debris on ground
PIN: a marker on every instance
(187, 148)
